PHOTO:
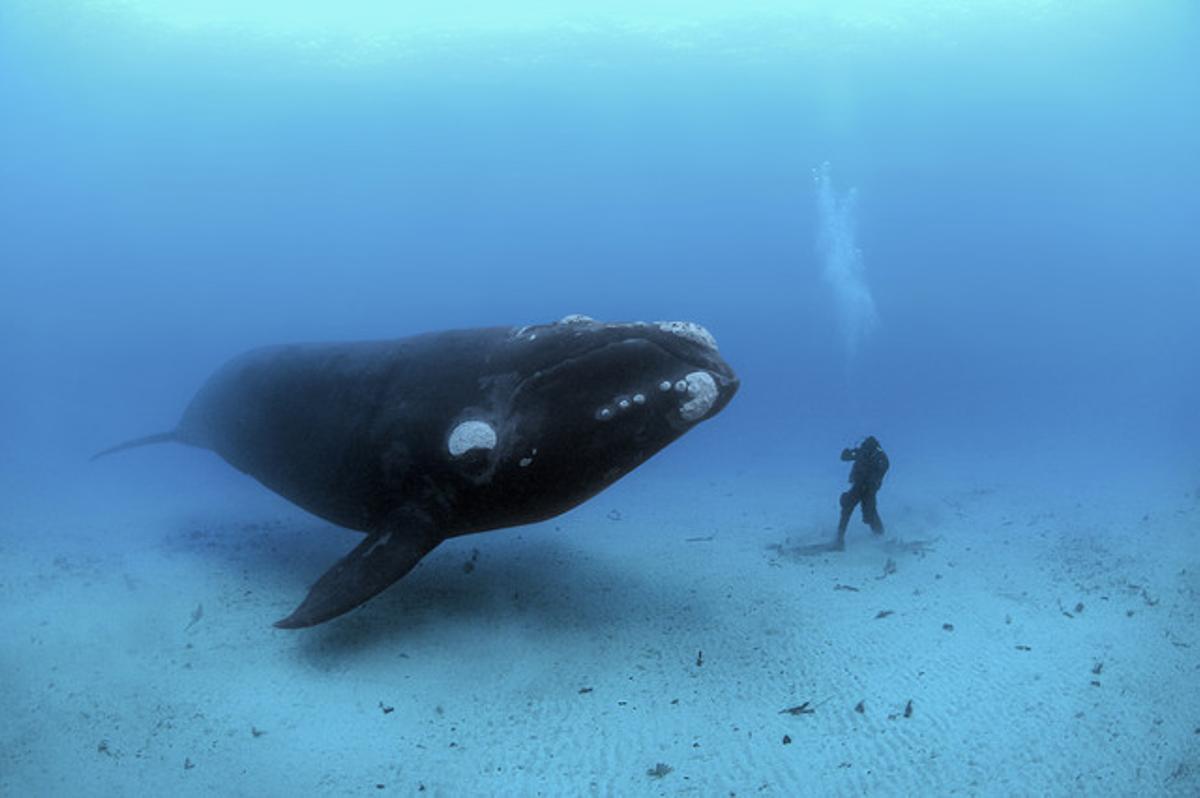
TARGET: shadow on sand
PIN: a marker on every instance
(891, 546)
(532, 577)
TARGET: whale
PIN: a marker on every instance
(418, 439)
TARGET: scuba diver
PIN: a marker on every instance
(866, 475)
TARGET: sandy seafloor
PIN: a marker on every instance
(1047, 640)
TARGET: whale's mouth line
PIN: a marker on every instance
(575, 359)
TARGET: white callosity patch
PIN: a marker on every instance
(470, 435)
(664, 386)
(576, 318)
(639, 399)
(702, 394)
(691, 331)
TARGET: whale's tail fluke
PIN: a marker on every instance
(162, 437)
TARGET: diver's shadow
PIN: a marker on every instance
(809, 544)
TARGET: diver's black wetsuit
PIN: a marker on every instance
(870, 464)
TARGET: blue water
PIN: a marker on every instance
(1025, 213)
(969, 229)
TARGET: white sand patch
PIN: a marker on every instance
(668, 621)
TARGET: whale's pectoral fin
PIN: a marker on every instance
(374, 564)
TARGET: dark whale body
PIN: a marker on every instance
(423, 438)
